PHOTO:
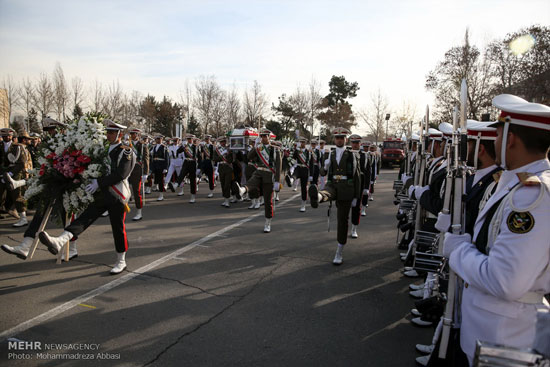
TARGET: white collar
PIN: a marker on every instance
(480, 173)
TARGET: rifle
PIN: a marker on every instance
(457, 215)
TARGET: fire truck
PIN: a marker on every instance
(393, 151)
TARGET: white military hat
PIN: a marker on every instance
(515, 110)
(415, 137)
(435, 134)
(481, 130)
(134, 130)
(355, 137)
(340, 131)
(111, 125)
(446, 129)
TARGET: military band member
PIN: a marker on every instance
(279, 146)
(207, 165)
(343, 186)
(505, 267)
(5, 198)
(190, 169)
(266, 177)
(224, 158)
(251, 167)
(113, 197)
(302, 156)
(139, 173)
(159, 165)
(323, 155)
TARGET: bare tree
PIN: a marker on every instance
(402, 122)
(233, 105)
(207, 93)
(375, 117)
(98, 96)
(314, 99)
(255, 104)
(61, 92)
(12, 92)
(113, 101)
(44, 96)
(219, 113)
(26, 100)
(77, 92)
(186, 96)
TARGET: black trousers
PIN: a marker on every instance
(342, 213)
(189, 169)
(226, 177)
(303, 174)
(34, 225)
(159, 178)
(208, 170)
(117, 216)
(315, 175)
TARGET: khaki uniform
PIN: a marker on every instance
(343, 185)
(267, 173)
(21, 164)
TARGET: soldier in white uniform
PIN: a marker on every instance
(176, 162)
(506, 267)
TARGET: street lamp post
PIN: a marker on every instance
(387, 119)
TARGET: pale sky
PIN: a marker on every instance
(154, 46)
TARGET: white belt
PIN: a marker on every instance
(430, 215)
(264, 169)
(339, 177)
(532, 298)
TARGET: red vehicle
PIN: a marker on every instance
(393, 151)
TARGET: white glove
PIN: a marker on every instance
(92, 187)
(310, 179)
(144, 178)
(164, 171)
(419, 190)
(198, 172)
(366, 192)
(354, 203)
(276, 186)
(257, 141)
(404, 178)
(453, 241)
(443, 222)
(411, 190)
(11, 174)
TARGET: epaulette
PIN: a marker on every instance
(528, 179)
(497, 175)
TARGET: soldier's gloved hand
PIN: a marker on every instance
(443, 222)
(276, 186)
(257, 141)
(453, 241)
(144, 178)
(164, 171)
(366, 192)
(354, 203)
(198, 172)
(310, 178)
(404, 178)
(92, 187)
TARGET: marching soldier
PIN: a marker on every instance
(207, 164)
(5, 198)
(505, 267)
(362, 162)
(17, 173)
(315, 163)
(114, 193)
(249, 170)
(266, 177)
(366, 176)
(139, 173)
(190, 167)
(159, 154)
(343, 185)
(175, 165)
(376, 162)
(224, 158)
(302, 156)
(323, 155)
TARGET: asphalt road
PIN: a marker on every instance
(206, 287)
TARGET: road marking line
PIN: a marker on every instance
(123, 279)
(83, 305)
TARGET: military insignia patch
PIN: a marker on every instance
(520, 222)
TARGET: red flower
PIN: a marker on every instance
(83, 159)
(42, 170)
(75, 153)
(78, 170)
(50, 156)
